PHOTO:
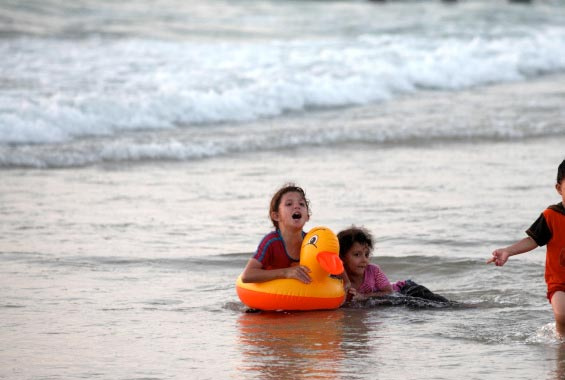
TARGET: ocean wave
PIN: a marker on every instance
(187, 144)
(221, 261)
(92, 83)
(60, 91)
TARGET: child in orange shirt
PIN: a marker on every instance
(548, 229)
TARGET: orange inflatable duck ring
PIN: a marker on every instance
(320, 253)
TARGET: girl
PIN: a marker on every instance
(368, 280)
(278, 252)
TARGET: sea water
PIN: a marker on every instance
(140, 144)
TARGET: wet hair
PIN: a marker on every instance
(353, 235)
(276, 200)
(561, 172)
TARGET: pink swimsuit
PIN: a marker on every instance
(376, 280)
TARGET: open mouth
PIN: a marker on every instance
(296, 215)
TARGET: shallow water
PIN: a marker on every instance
(128, 272)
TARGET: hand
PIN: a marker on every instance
(353, 295)
(299, 273)
(499, 257)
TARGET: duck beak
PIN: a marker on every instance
(330, 262)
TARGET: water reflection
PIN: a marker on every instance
(357, 342)
(301, 344)
(560, 362)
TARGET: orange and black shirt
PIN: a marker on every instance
(549, 229)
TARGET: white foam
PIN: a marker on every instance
(62, 90)
(547, 334)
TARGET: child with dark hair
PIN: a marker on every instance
(278, 253)
(367, 279)
(355, 247)
(548, 229)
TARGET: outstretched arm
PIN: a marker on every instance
(500, 256)
(254, 272)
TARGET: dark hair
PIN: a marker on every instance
(561, 172)
(353, 235)
(276, 200)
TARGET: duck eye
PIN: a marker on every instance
(313, 240)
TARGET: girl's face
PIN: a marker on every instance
(292, 212)
(357, 259)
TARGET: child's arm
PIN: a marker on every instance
(383, 292)
(254, 272)
(501, 255)
(346, 281)
(356, 296)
